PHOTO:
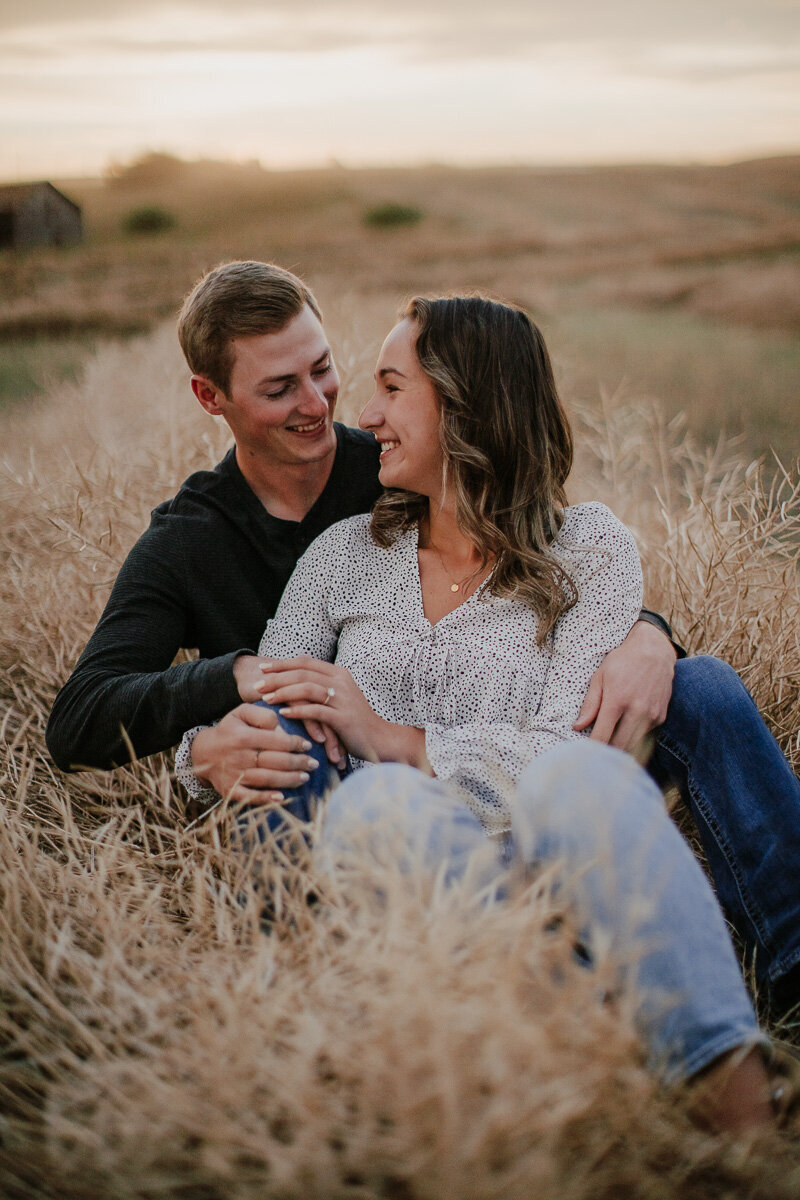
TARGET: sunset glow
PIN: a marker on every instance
(383, 83)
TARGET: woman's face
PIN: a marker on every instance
(404, 416)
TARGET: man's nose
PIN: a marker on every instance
(313, 399)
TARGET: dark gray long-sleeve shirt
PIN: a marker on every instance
(207, 574)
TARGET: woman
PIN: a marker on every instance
(455, 630)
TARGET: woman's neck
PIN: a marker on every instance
(450, 565)
(439, 531)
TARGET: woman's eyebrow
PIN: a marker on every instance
(390, 371)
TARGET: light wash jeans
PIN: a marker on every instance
(635, 883)
(631, 876)
(745, 800)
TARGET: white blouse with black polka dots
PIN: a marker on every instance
(487, 697)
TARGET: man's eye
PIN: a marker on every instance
(277, 395)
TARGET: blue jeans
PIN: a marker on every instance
(745, 800)
(257, 825)
(631, 876)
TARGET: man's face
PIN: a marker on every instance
(282, 393)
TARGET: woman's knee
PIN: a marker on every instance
(378, 794)
(580, 798)
(404, 818)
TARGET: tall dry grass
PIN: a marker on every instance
(155, 1043)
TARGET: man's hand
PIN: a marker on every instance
(249, 758)
(630, 692)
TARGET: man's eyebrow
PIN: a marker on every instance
(293, 374)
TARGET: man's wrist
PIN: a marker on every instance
(647, 617)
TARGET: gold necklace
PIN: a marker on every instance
(454, 586)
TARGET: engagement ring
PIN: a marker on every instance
(331, 692)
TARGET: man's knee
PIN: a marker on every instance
(706, 691)
(705, 681)
(324, 774)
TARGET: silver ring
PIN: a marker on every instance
(331, 692)
(257, 754)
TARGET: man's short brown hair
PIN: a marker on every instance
(234, 300)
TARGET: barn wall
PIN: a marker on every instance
(46, 219)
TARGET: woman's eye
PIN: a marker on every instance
(322, 370)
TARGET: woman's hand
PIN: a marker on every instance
(306, 689)
(248, 671)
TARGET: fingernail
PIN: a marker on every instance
(267, 666)
(304, 777)
(269, 697)
(305, 745)
(312, 764)
(277, 796)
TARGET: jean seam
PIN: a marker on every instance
(751, 908)
(706, 1054)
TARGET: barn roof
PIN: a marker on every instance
(13, 195)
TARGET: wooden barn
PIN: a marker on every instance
(37, 214)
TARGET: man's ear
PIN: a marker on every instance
(210, 396)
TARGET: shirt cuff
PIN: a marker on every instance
(654, 618)
(184, 769)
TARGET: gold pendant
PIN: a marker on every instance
(454, 587)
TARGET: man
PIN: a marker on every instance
(209, 571)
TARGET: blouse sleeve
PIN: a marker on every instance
(484, 761)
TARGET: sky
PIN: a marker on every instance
(84, 83)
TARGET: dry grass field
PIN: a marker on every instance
(681, 282)
(153, 1042)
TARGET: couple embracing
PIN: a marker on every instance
(439, 627)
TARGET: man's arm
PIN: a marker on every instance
(124, 679)
(630, 692)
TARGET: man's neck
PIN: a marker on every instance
(288, 491)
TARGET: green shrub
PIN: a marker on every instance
(390, 215)
(151, 218)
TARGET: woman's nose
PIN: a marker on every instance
(370, 416)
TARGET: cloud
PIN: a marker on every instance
(433, 27)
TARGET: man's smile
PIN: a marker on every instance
(312, 427)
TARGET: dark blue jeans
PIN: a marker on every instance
(301, 802)
(745, 800)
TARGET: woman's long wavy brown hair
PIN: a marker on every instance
(507, 446)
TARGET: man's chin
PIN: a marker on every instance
(312, 448)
